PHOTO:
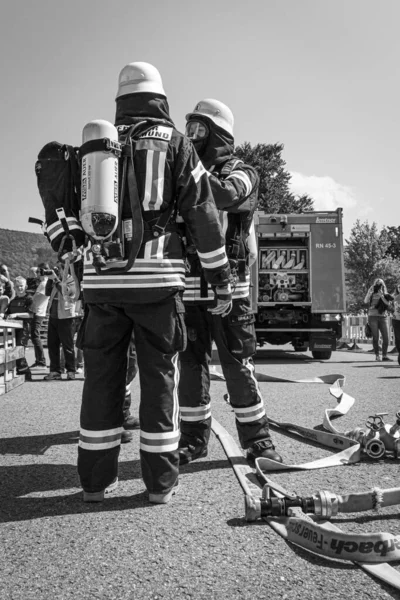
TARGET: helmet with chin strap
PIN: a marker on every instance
(215, 110)
(139, 77)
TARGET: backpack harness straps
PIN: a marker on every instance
(100, 145)
(125, 150)
(136, 207)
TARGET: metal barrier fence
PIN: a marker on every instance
(353, 330)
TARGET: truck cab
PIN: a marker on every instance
(298, 289)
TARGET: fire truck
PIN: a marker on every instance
(298, 289)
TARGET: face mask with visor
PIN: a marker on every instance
(198, 132)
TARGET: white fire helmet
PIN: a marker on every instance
(216, 111)
(139, 77)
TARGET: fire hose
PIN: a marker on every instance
(368, 551)
(381, 440)
(306, 520)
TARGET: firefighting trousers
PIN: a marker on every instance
(159, 334)
(235, 339)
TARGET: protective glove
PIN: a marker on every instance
(223, 297)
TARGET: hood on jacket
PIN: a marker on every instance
(143, 106)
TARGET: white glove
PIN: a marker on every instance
(223, 297)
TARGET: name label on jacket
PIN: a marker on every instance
(160, 133)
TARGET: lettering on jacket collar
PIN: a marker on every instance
(159, 132)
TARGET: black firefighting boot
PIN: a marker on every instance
(194, 440)
(188, 452)
(263, 449)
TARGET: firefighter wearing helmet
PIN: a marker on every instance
(145, 302)
(234, 185)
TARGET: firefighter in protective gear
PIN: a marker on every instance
(234, 185)
(146, 300)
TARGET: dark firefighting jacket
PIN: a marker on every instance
(169, 177)
(234, 185)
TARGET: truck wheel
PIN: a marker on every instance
(321, 354)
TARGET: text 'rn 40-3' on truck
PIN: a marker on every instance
(298, 289)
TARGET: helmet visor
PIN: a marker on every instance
(196, 130)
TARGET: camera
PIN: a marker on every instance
(377, 287)
(45, 272)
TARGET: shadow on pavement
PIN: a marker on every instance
(283, 356)
(20, 480)
(48, 481)
(26, 509)
(37, 444)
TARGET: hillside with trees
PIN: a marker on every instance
(20, 250)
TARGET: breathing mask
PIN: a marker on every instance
(197, 132)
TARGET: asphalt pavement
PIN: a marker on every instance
(199, 546)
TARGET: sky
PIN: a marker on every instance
(319, 76)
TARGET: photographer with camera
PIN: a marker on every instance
(37, 286)
(60, 331)
(378, 301)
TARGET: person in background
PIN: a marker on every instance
(39, 307)
(20, 308)
(4, 300)
(79, 365)
(396, 319)
(378, 301)
(234, 185)
(8, 284)
(60, 331)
